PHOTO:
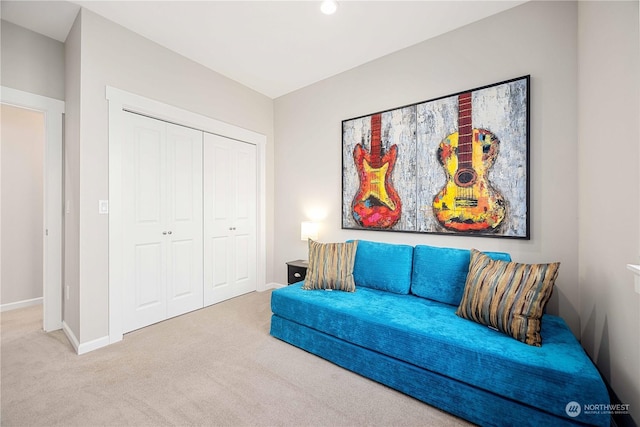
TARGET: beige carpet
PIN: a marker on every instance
(214, 367)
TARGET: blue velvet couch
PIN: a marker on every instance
(399, 328)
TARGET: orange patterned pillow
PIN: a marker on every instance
(331, 266)
(508, 296)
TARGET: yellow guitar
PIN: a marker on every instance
(468, 202)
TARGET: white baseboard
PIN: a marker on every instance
(20, 304)
(71, 336)
(272, 285)
(93, 345)
(84, 347)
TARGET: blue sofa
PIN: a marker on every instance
(399, 328)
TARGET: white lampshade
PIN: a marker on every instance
(308, 230)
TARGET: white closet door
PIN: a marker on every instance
(162, 221)
(230, 198)
(184, 220)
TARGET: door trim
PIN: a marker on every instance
(121, 101)
(53, 110)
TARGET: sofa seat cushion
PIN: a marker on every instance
(428, 334)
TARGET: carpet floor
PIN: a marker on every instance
(213, 367)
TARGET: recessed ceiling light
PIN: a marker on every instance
(329, 7)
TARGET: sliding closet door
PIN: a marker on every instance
(230, 218)
(162, 220)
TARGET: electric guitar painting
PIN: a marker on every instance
(376, 204)
(468, 202)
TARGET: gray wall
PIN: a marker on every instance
(584, 179)
(540, 39)
(31, 62)
(71, 277)
(22, 204)
(609, 208)
(111, 55)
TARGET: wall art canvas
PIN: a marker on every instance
(453, 165)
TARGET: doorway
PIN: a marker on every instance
(22, 206)
(51, 231)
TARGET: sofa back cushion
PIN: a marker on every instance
(441, 273)
(383, 266)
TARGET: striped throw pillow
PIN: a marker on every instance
(508, 296)
(331, 266)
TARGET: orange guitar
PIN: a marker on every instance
(468, 202)
(376, 204)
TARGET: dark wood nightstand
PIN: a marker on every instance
(296, 270)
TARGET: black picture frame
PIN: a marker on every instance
(454, 165)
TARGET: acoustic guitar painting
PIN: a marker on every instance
(468, 202)
(376, 203)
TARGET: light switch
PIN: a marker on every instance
(103, 206)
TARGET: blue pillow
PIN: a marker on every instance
(440, 274)
(383, 266)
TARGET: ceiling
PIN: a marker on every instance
(273, 47)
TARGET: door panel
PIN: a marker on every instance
(184, 225)
(146, 287)
(142, 212)
(185, 284)
(148, 146)
(219, 261)
(242, 253)
(185, 147)
(162, 221)
(222, 187)
(230, 193)
(217, 218)
(246, 219)
(181, 256)
(244, 186)
(148, 268)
